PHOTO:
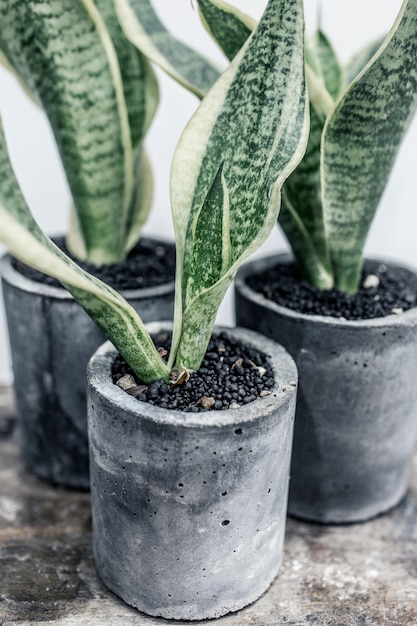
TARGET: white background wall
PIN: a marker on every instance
(350, 24)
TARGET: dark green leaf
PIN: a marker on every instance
(63, 51)
(228, 26)
(252, 124)
(145, 30)
(322, 58)
(361, 141)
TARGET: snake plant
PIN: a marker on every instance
(355, 132)
(100, 95)
(245, 139)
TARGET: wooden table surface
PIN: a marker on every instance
(339, 575)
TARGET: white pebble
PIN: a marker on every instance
(371, 281)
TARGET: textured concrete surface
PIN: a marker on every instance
(332, 576)
(356, 425)
(51, 341)
(189, 514)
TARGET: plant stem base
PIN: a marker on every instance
(189, 509)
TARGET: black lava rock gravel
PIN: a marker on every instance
(149, 264)
(384, 290)
(230, 375)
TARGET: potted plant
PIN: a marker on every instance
(169, 486)
(349, 324)
(100, 98)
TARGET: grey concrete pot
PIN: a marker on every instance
(189, 509)
(51, 340)
(356, 417)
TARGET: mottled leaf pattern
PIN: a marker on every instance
(360, 59)
(252, 124)
(361, 140)
(322, 59)
(304, 248)
(197, 324)
(145, 30)
(64, 53)
(210, 254)
(141, 96)
(228, 26)
(301, 216)
(247, 136)
(141, 202)
(138, 78)
(118, 320)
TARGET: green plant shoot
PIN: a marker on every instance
(329, 201)
(99, 94)
(246, 137)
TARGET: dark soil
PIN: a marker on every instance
(230, 375)
(384, 290)
(149, 264)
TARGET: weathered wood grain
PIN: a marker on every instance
(332, 576)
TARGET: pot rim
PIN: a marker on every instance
(403, 319)
(18, 280)
(285, 371)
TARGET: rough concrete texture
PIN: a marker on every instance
(51, 340)
(356, 417)
(362, 574)
(189, 510)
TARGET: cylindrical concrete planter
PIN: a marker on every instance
(51, 340)
(189, 509)
(356, 417)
